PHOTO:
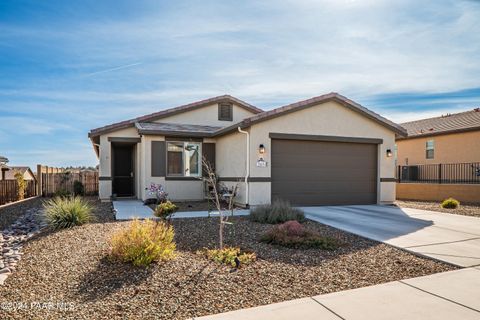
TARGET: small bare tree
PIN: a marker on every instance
(218, 194)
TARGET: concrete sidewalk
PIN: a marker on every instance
(448, 295)
(135, 209)
(451, 238)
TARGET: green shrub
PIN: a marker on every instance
(165, 209)
(293, 235)
(67, 212)
(141, 243)
(227, 256)
(78, 188)
(450, 203)
(62, 193)
(278, 212)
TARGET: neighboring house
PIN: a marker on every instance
(452, 138)
(26, 171)
(440, 158)
(327, 150)
(3, 167)
(3, 171)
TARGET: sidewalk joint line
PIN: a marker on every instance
(440, 243)
(450, 255)
(328, 308)
(438, 296)
(454, 230)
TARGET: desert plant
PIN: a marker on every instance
(278, 212)
(21, 185)
(158, 192)
(450, 203)
(67, 212)
(78, 188)
(141, 243)
(165, 209)
(292, 234)
(230, 256)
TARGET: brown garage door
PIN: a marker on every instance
(309, 173)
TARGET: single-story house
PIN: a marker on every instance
(9, 174)
(440, 158)
(326, 150)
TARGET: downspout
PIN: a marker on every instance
(248, 164)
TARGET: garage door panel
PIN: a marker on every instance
(315, 175)
(324, 173)
(312, 187)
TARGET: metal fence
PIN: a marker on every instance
(448, 173)
(9, 190)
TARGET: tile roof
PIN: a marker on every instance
(457, 122)
(314, 101)
(172, 111)
(175, 129)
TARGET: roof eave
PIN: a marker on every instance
(176, 133)
(431, 134)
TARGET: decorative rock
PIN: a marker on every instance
(13, 238)
(4, 270)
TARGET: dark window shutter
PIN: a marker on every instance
(158, 159)
(208, 150)
(225, 112)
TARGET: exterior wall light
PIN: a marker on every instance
(261, 149)
(389, 153)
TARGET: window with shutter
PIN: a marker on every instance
(225, 112)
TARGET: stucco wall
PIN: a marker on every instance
(105, 186)
(207, 116)
(449, 148)
(438, 192)
(330, 119)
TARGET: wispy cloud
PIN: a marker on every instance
(72, 67)
(114, 69)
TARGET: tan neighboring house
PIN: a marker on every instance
(9, 174)
(446, 149)
(327, 150)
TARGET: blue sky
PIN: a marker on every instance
(69, 66)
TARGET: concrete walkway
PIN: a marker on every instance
(447, 237)
(131, 209)
(448, 295)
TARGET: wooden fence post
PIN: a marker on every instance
(39, 180)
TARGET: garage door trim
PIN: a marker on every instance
(308, 137)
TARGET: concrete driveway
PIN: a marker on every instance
(450, 238)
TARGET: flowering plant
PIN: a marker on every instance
(158, 192)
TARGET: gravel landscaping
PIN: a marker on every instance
(67, 274)
(464, 210)
(11, 212)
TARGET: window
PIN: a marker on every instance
(184, 159)
(430, 149)
(225, 112)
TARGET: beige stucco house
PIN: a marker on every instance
(327, 150)
(9, 173)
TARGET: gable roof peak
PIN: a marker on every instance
(172, 111)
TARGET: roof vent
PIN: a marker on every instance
(431, 129)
